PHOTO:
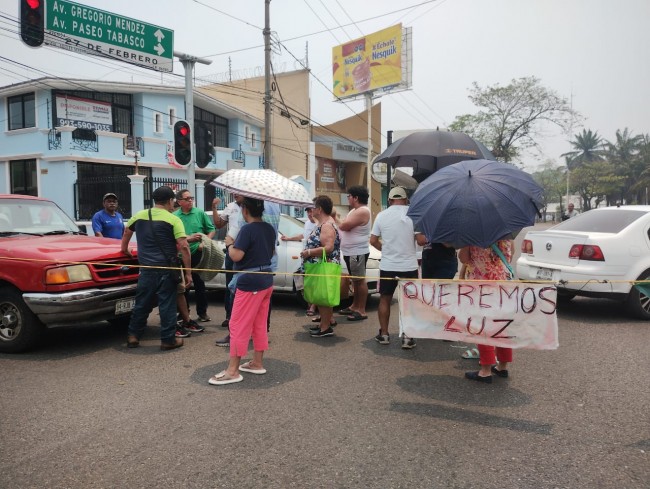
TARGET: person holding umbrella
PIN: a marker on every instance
(491, 263)
(252, 251)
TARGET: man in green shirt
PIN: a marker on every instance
(197, 223)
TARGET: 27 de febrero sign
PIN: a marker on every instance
(75, 27)
(505, 314)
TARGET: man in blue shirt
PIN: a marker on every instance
(108, 222)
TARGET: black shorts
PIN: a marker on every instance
(387, 286)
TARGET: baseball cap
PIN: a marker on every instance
(163, 194)
(109, 195)
(397, 193)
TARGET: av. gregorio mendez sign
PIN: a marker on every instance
(505, 314)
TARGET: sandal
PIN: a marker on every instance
(222, 378)
(310, 313)
(356, 316)
(470, 354)
(346, 312)
(317, 320)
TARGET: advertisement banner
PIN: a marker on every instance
(83, 113)
(368, 63)
(505, 314)
(330, 176)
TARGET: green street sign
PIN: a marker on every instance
(75, 27)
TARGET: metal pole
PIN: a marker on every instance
(188, 63)
(369, 156)
(268, 154)
(389, 141)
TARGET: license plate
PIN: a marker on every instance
(124, 305)
(545, 274)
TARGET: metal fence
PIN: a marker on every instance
(152, 183)
(88, 195)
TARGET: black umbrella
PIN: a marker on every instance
(428, 151)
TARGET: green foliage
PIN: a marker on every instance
(512, 117)
(587, 147)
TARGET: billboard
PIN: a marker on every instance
(369, 63)
(83, 113)
(330, 175)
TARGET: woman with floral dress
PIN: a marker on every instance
(324, 237)
(486, 264)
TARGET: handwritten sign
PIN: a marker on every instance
(505, 314)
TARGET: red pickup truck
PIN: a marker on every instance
(52, 274)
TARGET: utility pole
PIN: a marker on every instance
(268, 154)
(188, 63)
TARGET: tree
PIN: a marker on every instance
(512, 118)
(594, 180)
(587, 147)
(623, 154)
(552, 179)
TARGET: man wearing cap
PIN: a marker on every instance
(161, 236)
(108, 222)
(398, 257)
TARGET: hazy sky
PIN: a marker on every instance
(594, 51)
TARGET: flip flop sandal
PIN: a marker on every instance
(310, 313)
(346, 312)
(222, 379)
(316, 319)
(355, 316)
(470, 354)
(246, 367)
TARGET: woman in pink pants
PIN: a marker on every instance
(251, 252)
(485, 264)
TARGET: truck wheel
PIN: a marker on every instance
(20, 329)
(638, 304)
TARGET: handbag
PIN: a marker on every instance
(176, 272)
(322, 283)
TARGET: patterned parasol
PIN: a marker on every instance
(264, 185)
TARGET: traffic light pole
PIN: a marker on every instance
(188, 63)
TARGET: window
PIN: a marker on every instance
(172, 116)
(23, 177)
(253, 140)
(215, 124)
(158, 123)
(22, 111)
(246, 133)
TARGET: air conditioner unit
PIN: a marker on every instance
(232, 164)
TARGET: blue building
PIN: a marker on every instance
(72, 141)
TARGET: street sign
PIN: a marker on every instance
(75, 27)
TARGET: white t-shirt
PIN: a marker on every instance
(395, 229)
(231, 214)
(307, 229)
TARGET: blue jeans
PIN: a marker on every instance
(199, 288)
(151, 283)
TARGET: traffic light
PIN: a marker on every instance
(204, 146)
(182, 143)
(32, 22)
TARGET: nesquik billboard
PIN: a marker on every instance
(368, 63)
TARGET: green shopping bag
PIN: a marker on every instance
(323, 283)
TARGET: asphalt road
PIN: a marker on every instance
(83, 411)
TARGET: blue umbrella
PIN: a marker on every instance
(475, 202)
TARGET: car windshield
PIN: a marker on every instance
(290, 226)
(610, 221)
(34, 217)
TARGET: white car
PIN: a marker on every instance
(289, 259)
(595, 254)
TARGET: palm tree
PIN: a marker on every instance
(587, 148)
(623, 154)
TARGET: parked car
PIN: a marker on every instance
(595, 254)
(289, 259)
(51, 274)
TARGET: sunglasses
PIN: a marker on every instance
(189, 199)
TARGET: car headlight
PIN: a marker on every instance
(67, 275)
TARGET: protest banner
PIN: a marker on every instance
(497, 313)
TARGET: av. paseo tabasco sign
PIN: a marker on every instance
(75, 27)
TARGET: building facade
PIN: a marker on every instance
(71, 141)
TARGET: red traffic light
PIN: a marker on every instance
(34, 4)
(184, 130)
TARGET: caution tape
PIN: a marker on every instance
(292, 274)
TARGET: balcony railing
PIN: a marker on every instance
(84, 140)
(54, 139)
